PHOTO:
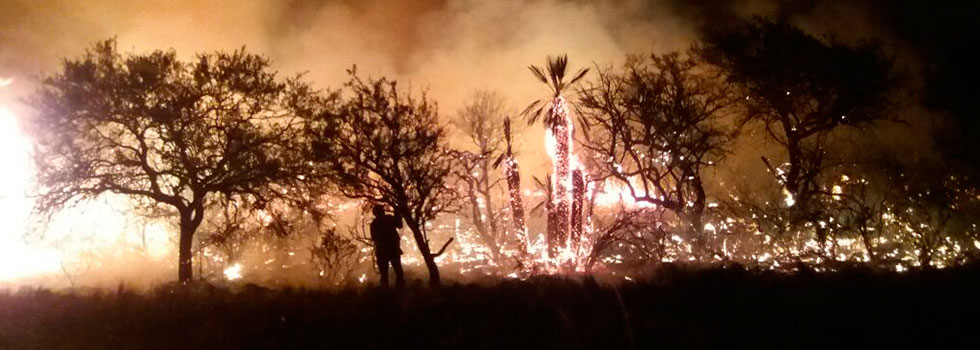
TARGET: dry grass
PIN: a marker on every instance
(674, 306)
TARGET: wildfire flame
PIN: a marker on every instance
(233, 272)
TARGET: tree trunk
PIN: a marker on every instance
(578, 204)
(697, 218)
(423, 244)
(795, 150)
(494, 230)
(551, 224)
(488, 237)
(190, 220)
(185, 269)
(561, 131)
(514, 190)
(793, 175)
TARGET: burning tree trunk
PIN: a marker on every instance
(559, 144)
(561, 181)
(552, 219)
(578, 204)
(514, 188)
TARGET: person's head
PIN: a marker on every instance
(378, 210)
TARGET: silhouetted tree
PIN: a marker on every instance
(655, 128)
(481, 122)
(556, 118)
(388, 148)
(166, 132)
(800, 88)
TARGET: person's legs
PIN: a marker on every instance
(396, 264)
(383, 269)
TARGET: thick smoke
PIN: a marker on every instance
(448, 48)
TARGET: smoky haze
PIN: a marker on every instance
(448, 48)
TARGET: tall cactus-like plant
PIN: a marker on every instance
(578, 204)
(513, 175)
(553, 112)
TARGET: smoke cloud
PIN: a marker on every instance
(448, 48)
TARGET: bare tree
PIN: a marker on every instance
(481, 121)
(165, 132)
(654, 128)
(388, 148)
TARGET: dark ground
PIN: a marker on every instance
(676, 307)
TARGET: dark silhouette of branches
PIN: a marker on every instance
(386, 147)
(165, 132)
(800, 88)
(481, 121)
(655, 128)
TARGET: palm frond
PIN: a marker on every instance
(537, 208)
(538, 73)
(540, 183)
(557, 66)
(533, 111)
(556, 70)
(578, 76)
(500, 159)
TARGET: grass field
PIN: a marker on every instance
(673, 307)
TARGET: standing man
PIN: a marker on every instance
(384, 233)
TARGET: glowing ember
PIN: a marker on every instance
(233, 272)
(789, 200)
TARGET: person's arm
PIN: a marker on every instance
(398, 221)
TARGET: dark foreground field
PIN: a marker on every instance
(676, 307)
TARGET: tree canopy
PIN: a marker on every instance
(387, 147)
(165, 132)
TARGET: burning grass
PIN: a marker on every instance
(673, 305)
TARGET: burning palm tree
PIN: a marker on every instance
(513, 174)
(559, 143)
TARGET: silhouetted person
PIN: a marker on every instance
(384, 233)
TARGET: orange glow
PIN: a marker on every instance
(74, 234)
(17, 258)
